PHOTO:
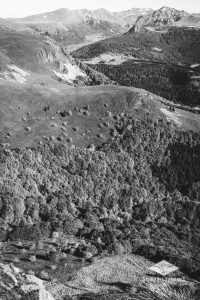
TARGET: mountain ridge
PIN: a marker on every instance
(101, 13)
(79, 26)
(165, 17)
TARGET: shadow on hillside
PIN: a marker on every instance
(180, 169)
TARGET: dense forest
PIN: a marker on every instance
(138, 193)
(178, 45)
(172, 82)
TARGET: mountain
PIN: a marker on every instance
(163, 62)
(99, 156)
(70, 17)
(71, 28)
(130, 16)
(66, 16)
(175, 44)
(165, 17)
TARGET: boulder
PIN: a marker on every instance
(119, 249)
(92, 249)
(28, 286)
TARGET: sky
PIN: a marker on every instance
(22, 8)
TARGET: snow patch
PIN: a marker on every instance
(13, 73)
(72, 73)
(45, 17)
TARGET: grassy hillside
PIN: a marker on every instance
(27, 51)
(27, 57)
(43, 110)
(33, 114)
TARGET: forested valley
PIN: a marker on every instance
(175, 83)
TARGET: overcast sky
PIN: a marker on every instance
(21, 8)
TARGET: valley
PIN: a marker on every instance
(167, 70)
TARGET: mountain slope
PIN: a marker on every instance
(70, 17)
(32, 114)
(138, 192)
(37, 59)
(80, 26)
(165, 17)
(176, 45)
(165, 63)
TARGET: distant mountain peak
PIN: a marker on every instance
(164, 8)
(101, 10)
(164, 16)
(62, 9)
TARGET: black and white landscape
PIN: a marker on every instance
(100, 155)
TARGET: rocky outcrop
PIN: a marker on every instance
(160, 18)
(15, 284)
(93, 77)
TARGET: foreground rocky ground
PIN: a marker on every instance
(67, 268)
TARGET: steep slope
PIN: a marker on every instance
(32, 53)
(37, 59)
(165, 63)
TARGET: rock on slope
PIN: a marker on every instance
(15, 284)
(122, 274)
